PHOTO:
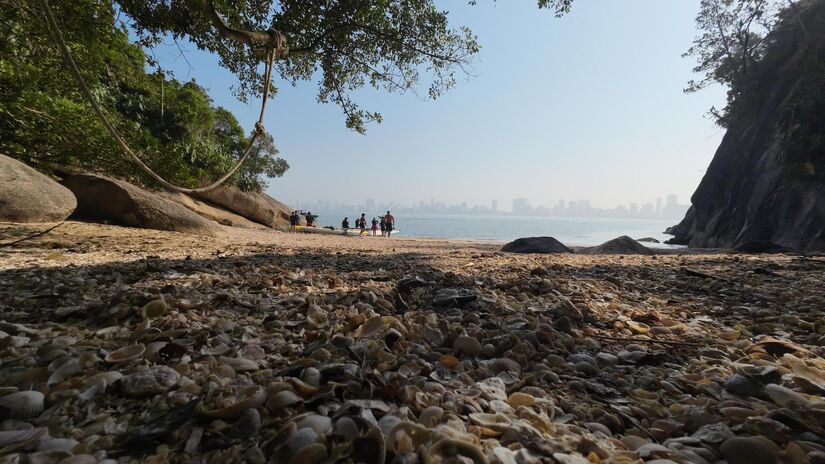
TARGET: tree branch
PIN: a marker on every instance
(271, 38)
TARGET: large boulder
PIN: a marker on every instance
(623, 245)
(118, 202)
(255, 206)
(211, 212)
(536, 245)
(28, 196)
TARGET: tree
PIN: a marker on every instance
(345, 44)
(45, 122)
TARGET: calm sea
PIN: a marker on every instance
(571, 231)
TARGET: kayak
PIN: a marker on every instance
(326, 231)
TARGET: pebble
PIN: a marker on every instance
(750, 450)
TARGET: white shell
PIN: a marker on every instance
(22, 405)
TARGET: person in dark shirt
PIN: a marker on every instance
(362, 223)
(374, 226)
(294, 220)
(345, 224)
(310, 219)
(389, 221)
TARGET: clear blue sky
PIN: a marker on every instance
(586, 106)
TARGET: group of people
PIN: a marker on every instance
(295, 220)
(386, 224)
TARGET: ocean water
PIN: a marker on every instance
(571, 231)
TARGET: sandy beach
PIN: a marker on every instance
(434, 348)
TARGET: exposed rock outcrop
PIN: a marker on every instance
(104, 199)
(255, 206)
(29, 196)
(623, 245)
(213, 213)
(766, 182)
(536, 245)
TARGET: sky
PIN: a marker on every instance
(589, 105)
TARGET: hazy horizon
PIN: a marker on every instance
(553, 110)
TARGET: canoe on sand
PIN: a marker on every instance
(326, 231)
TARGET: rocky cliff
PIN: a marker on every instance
(766, 182)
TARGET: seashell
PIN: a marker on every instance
(148, 382)
(251, 397)
(431, 416)
(303, 389)
(369, 448)
(283, 399)
(239, 364)
(186, 303)
(346, 428)
(315, 453)
(466, 345)
(80, 459)
(154, 308)
(127, 353)
(152, 350)
(498, 422)
(22, 405)
(11, 440)
(637, 327)
(517, 399)
(407, 437)
(66, 370)
(109, 377)
(321, 424)
(57, 445)
(449, 448)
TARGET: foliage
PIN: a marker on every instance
(45, 121)
(731, 41)
(768, 50)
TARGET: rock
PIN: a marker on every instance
(467, 345)
(255, 206)
(150, 381)
(104, 199)
(623, 245)
(29, 196)
(759, 187)
(741, 385)
(648, 240)
(535, 245)
(212, 212)
(750, 450)
(761, 247)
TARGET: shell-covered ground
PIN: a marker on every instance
(143, 346)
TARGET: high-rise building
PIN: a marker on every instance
(494, 206)
(672, 199)
(521, 206)
(658, 211)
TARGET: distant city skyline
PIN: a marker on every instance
(670, 208)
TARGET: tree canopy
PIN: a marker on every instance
(45, 121)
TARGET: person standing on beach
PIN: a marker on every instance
(374, 226)
(362, 223)
(345, 224)
(294, 219)
(389, 221)
(383, 225)
(310, 219)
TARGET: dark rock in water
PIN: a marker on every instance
(104, 199)
(761, 247)
(765, 182)
(28, 196)
(648, 240)
(623, 245)
(536, 245)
